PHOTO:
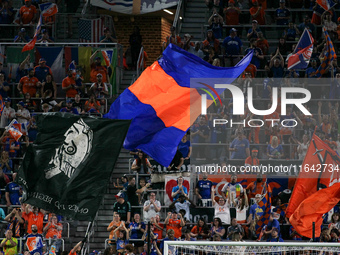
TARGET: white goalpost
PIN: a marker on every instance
(249, 248)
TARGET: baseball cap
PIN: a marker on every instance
(233, 30)
(187, 35)
(7, 99)
(255, 150)
(119, 195)
(23, 30)
(99, 74)
(42, 60)
(21, 103)
(69, 100)
(254, 21)
(43, 31)
(258, 196)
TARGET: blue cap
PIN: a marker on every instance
(69, 100)
(21, 103)
(43, 31)
(42, 60)
(7, 99)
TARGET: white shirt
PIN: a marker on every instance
(241, 215)
(185, 206)
(25, 113)
(147, 215)
(7, 115)
(222, 212)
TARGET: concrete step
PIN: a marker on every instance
(192, 25)
(190, 21)
(197, 9)
(202, 15)
(199, 4)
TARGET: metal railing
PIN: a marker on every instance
(140, 62)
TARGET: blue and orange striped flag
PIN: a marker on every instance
(163, 106)
(265, 204)
(329, 55)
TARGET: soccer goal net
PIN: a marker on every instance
(251, 248)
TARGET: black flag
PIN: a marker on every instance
(67, 169)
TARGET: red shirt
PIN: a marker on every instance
(260, 17)
(29, 85)
(159, 231)
(231, 16)
(27, 13)
(71, 92)
(250, 69)
(176, 226)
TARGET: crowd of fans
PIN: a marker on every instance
(236, 211)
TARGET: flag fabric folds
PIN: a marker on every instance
(14, 129)
(30, 45)
(90, 30)
(67, 169)
(81, 56)
(134, 7)
(325, 4)
(310, 179)
(328, 56)
(107, 55)
(48, 9)
(313, 208)
(159, 101)
(265, 204)
(299, 59)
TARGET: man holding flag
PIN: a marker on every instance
(299, 59)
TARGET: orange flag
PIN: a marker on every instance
(320, 169)
(312, 209)
(30, 45)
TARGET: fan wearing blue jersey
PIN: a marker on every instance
(203, 190)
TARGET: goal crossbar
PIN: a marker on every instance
(247, 244)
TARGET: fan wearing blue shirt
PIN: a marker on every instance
(179, 189)
(203, 187)
(22, 36)
(275, 237)
(258, 54)
(239, 147)
(233, 47)
(272, 225)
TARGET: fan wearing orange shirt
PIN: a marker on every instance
(35, 218)
(232, 14)
(252, 161)
(257, 13)
(53, 228)
(256, 187)
(96, 68)
(172, 222)
(69, 84)
(29, 84)
(115, 223)
(27, 13)
(250, 69)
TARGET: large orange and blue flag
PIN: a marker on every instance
(265, 204)
(163, 105)
(328, 56)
